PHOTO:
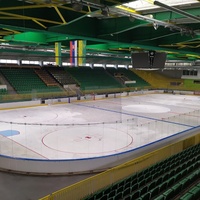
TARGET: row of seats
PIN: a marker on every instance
(96, 78)
(183, 185)
(25, 80)
(45, 76)
(192, 194)
(163, 180)
(60, 74)
(128, 75)
(3, 91)
(88, 79)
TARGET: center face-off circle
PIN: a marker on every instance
(93, 140)
(145, 108)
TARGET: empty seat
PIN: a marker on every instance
(187, 196)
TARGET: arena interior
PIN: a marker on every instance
(100, 100)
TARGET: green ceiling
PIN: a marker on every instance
(41, 23)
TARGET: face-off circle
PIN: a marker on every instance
(92, 140)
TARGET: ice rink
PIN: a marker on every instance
(87, 129)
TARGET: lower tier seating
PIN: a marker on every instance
(177, 177)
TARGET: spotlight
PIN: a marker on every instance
(131, 18)
(155, 25)
(77, 6)
(181, 32)
(104, 12)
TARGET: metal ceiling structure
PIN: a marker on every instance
(110, 27)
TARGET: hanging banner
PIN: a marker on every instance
(58, 53)
(73, 53)
(81, 52)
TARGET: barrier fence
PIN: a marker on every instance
(90, 185)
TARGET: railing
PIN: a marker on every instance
(88, 186)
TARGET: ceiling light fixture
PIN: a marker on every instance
(77, 5)
(131, 18)
(155, 25)
(105, 12)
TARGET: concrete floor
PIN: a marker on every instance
(24, 187)
(131, 121)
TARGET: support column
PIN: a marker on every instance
(58, 59)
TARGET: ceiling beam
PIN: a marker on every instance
(29, 18)
(118, 25)
(27, 37)
(176, 10)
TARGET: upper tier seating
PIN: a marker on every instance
(158, 80)
(25, 80)
(46, 77)
(96, 78)
(123, 75)
(61, 75)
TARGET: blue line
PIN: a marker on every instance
(135, 115)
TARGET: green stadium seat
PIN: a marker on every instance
(168, 193)
(134, 181)
(143, 190)
(118, 195)
(148, 179)
(140, 177)
(151, 186)
(127, 198)
(146, 196)
(187, 196)
(111, 194)
(170, 182)
(160, 197)
(162, 187)
(198, 185)
(99, 195)
(104, 197)
(185, 183)
(126, 192)
(134, 187)
(121, 183)
(195, 191)
(127, 185)
(141, 183)
(107, 191)
(135, 195)
(120, 189)
(165, 177)
(159, 181)
(114, 187)
(177, 188)
(154, 192)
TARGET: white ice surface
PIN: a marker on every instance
(96, 128)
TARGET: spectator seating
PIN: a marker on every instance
(176, 177)
(61, 75)
(3, 91)
(91, 79)
(46, 77)
(123, 75)
(25, 80)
